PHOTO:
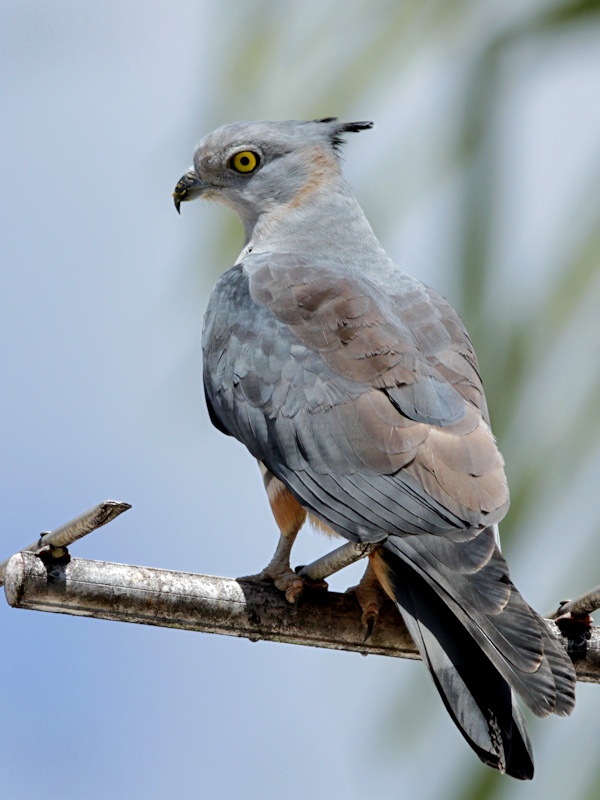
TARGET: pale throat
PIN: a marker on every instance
(314, 219)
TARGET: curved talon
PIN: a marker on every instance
(370, 597)
(370, 624)
(369, 606)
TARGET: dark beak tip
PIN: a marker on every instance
(188, 187)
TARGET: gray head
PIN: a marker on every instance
(253, 167)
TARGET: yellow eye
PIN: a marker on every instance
(246, 161)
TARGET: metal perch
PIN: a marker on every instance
(66, 534)
(257, 611)
(43, 577)
(335, 561)
(581, 607)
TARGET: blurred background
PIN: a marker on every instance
(481, 178)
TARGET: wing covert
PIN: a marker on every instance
(325, 419)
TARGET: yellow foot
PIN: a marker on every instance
(284, 578)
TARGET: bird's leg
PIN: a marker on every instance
(290, 517)
(370, 596)
(279, 571)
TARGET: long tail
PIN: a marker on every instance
(480, 641)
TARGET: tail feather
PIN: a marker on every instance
(521, 745)
(486, 591)
(513, 635)
(476, 696)
(478, 653)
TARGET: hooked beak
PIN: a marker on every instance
(189, 187)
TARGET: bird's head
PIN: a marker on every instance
(252, 167)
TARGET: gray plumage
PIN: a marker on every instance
(358, 388)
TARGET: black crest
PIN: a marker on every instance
(338, 130)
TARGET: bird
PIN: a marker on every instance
(358, 391)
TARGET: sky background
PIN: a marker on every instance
(480, 178)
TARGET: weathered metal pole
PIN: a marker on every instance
(149, 596)
(211, 604)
